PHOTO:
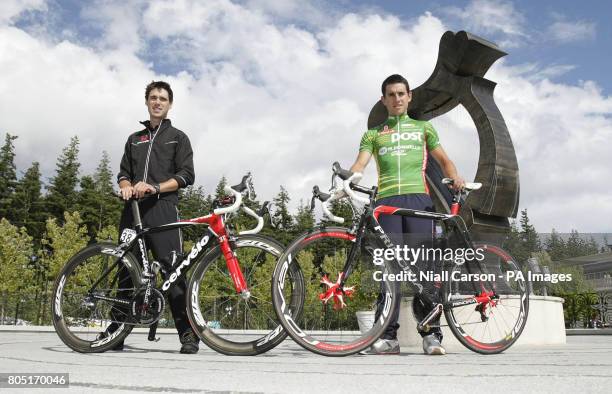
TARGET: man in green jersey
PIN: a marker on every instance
(400, 147)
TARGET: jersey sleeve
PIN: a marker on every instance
(367, 142)
(431, 137)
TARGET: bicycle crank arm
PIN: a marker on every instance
(435, 313)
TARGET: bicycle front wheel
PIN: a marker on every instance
(92, 297)
(492, 323)
(229, 322)
(327, 322)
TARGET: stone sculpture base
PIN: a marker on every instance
(545, 326)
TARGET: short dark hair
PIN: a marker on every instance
(395, 78)
(159, 85)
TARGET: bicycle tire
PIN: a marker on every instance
(320, 327)
(226, 321)
(497, 326)
(78, 318)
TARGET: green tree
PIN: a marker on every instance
(529, 235)
(97, 202)
(524, 242)
(219, 192)
(59, 244)
(577, 246)
(87, 205)
(108, 234)
(304, 219)
(513, 243)
(555, 246)
(578, 284)
(108, 205)
(63, 241)
(62, 194)
(8, 174)
(27, 204)
(282, 218)
(193, 204)
(15, 254)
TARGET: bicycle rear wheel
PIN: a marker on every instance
(232, 323)
(83, 311)
(327, 322)
(491, 325)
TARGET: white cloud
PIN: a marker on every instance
(564, 31)
(496, 18)
(312, 13)
(285, 102)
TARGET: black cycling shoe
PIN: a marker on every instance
(190, 342)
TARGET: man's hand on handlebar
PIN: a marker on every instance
(126, 192)
(141, 189)
(458, 183)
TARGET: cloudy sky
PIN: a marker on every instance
(283, 89)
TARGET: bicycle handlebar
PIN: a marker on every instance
(236, 191)
(326, 199)
(232, 208)
(342, 173)
(328, 212)
(347, 186)
(260, 222)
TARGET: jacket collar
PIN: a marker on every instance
(164, 125)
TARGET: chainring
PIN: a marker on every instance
(147, 314)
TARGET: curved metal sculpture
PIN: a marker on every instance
(463, 59)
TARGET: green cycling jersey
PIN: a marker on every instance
(400, 147)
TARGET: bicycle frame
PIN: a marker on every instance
(216, 229)
(369, 222)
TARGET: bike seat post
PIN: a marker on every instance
(136, 215)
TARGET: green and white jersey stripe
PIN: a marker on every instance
(400, 147)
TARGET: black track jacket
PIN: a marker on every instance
(156, 157)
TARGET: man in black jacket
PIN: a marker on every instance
(158, 160)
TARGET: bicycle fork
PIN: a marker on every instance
(233, 267)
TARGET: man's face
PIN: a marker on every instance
(158, 104)
(396, 99)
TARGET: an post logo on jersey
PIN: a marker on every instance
(407, 136)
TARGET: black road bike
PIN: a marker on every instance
(484, 300)
(229, 301)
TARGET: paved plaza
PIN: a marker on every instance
(583, 365)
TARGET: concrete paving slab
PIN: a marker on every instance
(584, 364)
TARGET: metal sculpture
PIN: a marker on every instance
(463, 59)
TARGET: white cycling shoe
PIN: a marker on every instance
(383, 346)
(432, 346)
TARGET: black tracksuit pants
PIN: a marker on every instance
(413, 232)
(156, 212)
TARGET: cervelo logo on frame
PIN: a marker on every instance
(197, 248)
